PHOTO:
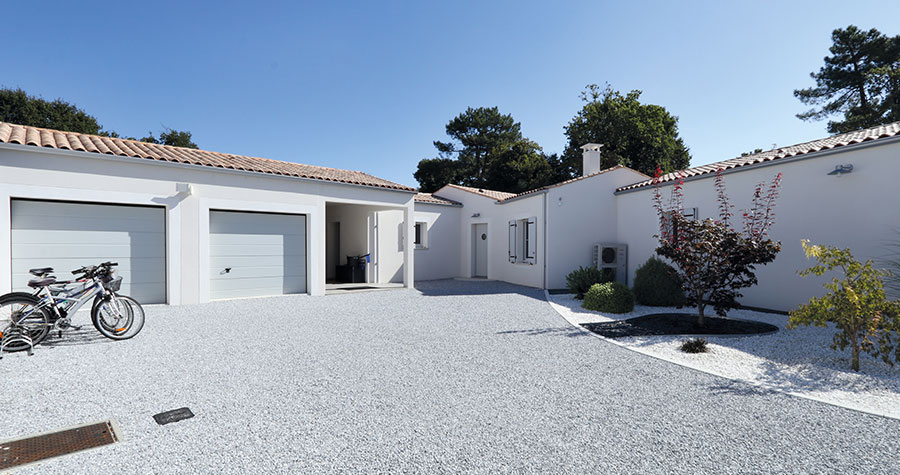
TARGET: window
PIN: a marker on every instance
(421, 236)
(670, 228)
(523, 241)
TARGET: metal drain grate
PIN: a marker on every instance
(14, 453)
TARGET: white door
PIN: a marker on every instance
(479, 235)
(256, 254)
(66, 236)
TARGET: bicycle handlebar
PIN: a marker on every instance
(90, 271)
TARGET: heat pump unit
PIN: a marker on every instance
(612, 259)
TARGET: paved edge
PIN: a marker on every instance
(562, 314)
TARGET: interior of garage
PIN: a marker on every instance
(363, 245)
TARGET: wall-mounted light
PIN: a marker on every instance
(476, 215)
(559, 202)
(183, 188)
(841, 169)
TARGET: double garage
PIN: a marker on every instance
(250, 254)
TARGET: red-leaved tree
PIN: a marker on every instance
(714, 260)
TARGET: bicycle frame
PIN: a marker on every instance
(63, 303)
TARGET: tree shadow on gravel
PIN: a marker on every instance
(568, 331)
(737, 388)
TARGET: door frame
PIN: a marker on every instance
(314, 228)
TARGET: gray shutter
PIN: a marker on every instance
(512, 242)
(531, 251)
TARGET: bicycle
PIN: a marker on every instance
(53, 304)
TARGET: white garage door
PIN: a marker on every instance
(256, 254)
(66, 236)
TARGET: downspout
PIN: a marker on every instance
(545, 240)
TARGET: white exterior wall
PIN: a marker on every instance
(497, 218)
(858, 211)
(580, 214)
(36, 173)
(441, 258)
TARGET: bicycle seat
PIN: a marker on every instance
(40, 271)
(37, 283)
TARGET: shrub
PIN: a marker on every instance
(582, 278)
(715, 260)
(856, 304)
(694, 345)
(656, 283)
(611, 297)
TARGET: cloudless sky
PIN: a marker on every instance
(369, 85)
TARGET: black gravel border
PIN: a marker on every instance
(678, 324)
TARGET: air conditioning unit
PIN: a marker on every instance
(612, 259)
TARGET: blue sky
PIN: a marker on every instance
(369, 85)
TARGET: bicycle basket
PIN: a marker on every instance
(113, 285)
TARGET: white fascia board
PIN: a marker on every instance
(151, 161)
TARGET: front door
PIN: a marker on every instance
(480, 238)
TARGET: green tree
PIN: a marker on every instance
(17, 107)
(177, 138)
(860, 81)
(856, 305)
(487, 151)
(640, 136)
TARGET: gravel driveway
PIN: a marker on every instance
(457, 376)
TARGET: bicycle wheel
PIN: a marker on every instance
(20, 312)
(118, 318)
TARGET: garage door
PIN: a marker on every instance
(66, 236)
(256, 254)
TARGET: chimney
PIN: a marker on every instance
(590, 158)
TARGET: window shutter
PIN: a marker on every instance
(512, 241)
(531, 251)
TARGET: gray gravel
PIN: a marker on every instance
(458, 376)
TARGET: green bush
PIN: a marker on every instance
(657, 284)
(611, 297)
(582, 278)
(696, 345)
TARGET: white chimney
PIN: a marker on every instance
(590, 158)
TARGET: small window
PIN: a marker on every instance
(669, 227)
(421, 236)
(523, 241)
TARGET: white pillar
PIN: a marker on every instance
(5, 251)
(409, 215)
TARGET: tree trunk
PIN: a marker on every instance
(854, 360)
(700, 306)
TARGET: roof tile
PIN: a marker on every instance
(34, 136)
(432, 199)
(841, 140)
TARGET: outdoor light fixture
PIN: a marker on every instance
(841, 169)
(183, 188)
(476, 215)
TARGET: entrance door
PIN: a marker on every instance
(480, 245)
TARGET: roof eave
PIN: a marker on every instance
(150, 161)
(768, 163)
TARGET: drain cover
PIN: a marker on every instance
(14, 453)
(174, 415)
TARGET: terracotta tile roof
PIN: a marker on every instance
(434, 200)
(573, 180)
(842, 140)
(497, 195)
(34, 136)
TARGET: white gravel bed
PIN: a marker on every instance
(473, 377)
(798, 361)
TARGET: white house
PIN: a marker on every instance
(836, 191)
(191, 226)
